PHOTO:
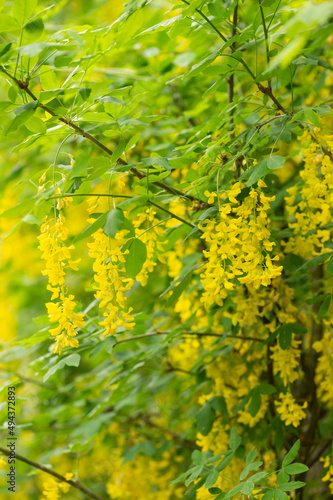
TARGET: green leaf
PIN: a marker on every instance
(180, 478)
(247, 488)
(33, 31)
(259, 171)
(225, 461)
(8, 23)
(48, 79)
(36, 125)
(280, 495)
(162, 24)
(114, 222)
(112, 100)
(197, 68)
(4, 48)
(84, 92)
(293, 485)
(118, 151)
(195, 472)
(110, 343)
(157, 161)
(324, 307)
(235, 439)
(211, 479)
(319, 259)
(91, 229)
(71, 360)
(136, 257)
(132, 141)
(295, 328)
(235, 490)
(81, 164)
(219, 404)
(291, 262)
(259, 476)
(198, 458)
(312, 117)
(205, 419)
(179, 289)
(296, 469)
(275, 162)
(20, 209)
(265, 388)
(282, 477)
(329, 266)
(263, 167)
(245, 472)
(284, 338)
(23, 9)
(214, 491)
(251, 456)
(255, 403)
(217, 10)
(23, 113)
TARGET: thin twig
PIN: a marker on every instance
(36, 465)
(241, 60)
(134, 171)
(67, 195)
(199, 334)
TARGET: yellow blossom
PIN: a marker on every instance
(291, 412)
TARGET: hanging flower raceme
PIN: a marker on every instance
(110, 279)
(286, 361)
(53, 490)
(239, 246)
(310, 202)
(150, 237)
(52, 243)
(328, 466)
(291, 412)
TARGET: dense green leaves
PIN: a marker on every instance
(210, 293)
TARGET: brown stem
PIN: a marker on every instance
(36, 465)
(134, 171)
(199, 334)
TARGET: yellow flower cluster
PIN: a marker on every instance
(52, 243)
(63, 313)
(291, 412)
(286, 362)
(328, 464)
(310, 203)
(110, 281)
(238, 246)
(146, 477)
(54, 490)
(149, 236)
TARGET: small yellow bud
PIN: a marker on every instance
(261, 184)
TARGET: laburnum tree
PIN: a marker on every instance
(166, 252)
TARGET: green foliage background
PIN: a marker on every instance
(164, 103)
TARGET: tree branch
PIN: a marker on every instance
(199, 334)
(134, 171)
(36, 465)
